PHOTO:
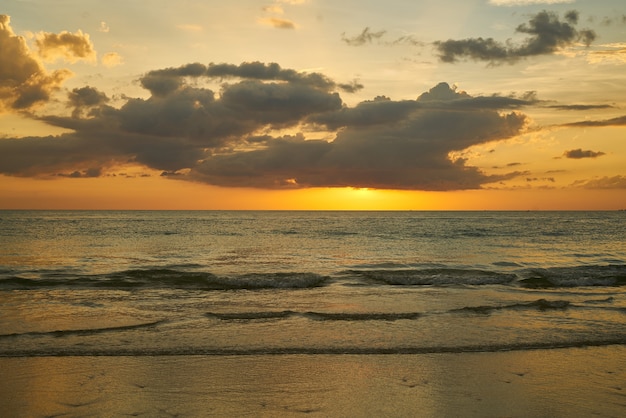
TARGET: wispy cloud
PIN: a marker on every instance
(527, 2)
(615, 182)
(190, 27)
(608, 53)
(111, 59)
(580, 107)
(367, 36)
(618, 121)
(277, 23)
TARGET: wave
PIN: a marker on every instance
(324, 350)
(608, 275)
(541, 304)
(316, 316)
(169, 278)
(82, 332)
(189, 277)
(435, 276)
(248, 316)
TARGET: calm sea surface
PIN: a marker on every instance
(222, 283)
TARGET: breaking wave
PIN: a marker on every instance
(181, 277)
(324, 350)
(170, 278)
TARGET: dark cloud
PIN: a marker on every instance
(85, 98)
(382, 144)
(580, 107)
(193, 133)
(175, 127)
(618, 121)
(365, 37)
(579, 153)
(547, 34)
(89, 173)
(164, 81)
(69, 46)
(24, 82)
(382, 110)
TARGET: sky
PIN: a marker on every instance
(313, 104)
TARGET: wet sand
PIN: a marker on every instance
(536, 383)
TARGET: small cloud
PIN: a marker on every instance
(365, 37)
(278, 23)
(580, 107)
(526, 2)
(274, 8)
(615, 182)
(190, 27)
(70, 47)
(579, 153)
(111, 59)
(84, 99)
(89, 173)
(352, 87)
(618, 121)
(104, 27)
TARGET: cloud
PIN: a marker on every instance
(189, 27)
(163, 81)
(226, 138)
(579, 153)
(365, 37)
(615, 182)
(274, 8)
(104, 27)
(547, 35)
(368, 37)
(611, 53)
(580, 107)
(84, 99)
(174, 128)
(618, 121)
(24, 82)
(68, 46)
(112, 59)
(278, 23)
(527, 2)
(382, 144)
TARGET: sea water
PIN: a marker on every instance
(146, 283)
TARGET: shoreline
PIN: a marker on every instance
(556, 382)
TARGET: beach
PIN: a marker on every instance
(321, 314)
(537, 383)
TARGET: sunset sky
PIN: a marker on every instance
(313, 104)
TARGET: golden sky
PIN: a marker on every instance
(313, 104)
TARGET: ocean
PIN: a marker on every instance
(257, 284)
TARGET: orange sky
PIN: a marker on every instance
(313, 104)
